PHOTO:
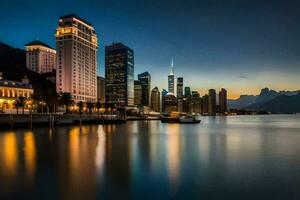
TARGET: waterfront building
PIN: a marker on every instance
(187, 91)
(212, 102)
(155, 99)
(196, 104)
(169, 103)
(180, 93)
(171, 79)
(76, 44)
(223, 101)
(145, 80)
(10, 91)
(40, 57)
(119, 74)
(205, 100)
(138, 94)
(101, 89)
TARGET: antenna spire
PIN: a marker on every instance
(172, 67)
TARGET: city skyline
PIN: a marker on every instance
(243, 52)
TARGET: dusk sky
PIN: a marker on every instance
(239, 45)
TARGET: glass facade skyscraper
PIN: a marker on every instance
(119, 74)
(145, 80)
(171, 79)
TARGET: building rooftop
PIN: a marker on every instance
(75, 16)
(16, 84)
(37, 42)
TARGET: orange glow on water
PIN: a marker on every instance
(30, 154)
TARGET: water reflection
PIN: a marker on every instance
(152, 160)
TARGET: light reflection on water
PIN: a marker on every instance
(249, 157)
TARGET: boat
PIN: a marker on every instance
(181, 119)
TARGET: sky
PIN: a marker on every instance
(242, 45)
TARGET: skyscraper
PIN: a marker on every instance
(145, 80)
(40, 57)
(196, 105)
(205, 100)
(179, 93)
(171, 79)
(138, 93)
(119, 74)
(169, 103)
(223, 101)
(76, 44)
(155, 99)
(187, 91)
(100, 89)
(212, 102)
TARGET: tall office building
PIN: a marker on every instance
(145, 80)
(180, 93)
(155, 99)
(138, 94)
(101, 89)
(169, 103)
(205, 100)
(196, 103)
(119, 74)
(171, 79)
(40, 57)
(223, 101)
(187, 91)
(76, 44)
(212, 102)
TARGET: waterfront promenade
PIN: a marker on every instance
(8, 121)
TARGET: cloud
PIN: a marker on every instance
(243, 77)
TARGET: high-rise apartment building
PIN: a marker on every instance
(155, 99)
(119, 75)
(145, 80)
(171, 79)
(101, 89)
(223, 101)
(76, 44)
(40, 57)
(212, 102)
(138, 93)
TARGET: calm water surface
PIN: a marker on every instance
(242, 157)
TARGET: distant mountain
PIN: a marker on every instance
(283, 104)
(242, 102)
(13, 67)
(252, 102)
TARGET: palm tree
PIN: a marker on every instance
(20, 103)
(66, 100)
(89, 106)
(98, 106)
(80, 106)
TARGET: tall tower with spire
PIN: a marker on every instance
(171, 78)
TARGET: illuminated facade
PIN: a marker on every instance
(180, 93)
(119, 75)
(40, 57)
(169, 103)
(10, 91)
(76, 43)
(138, 94)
